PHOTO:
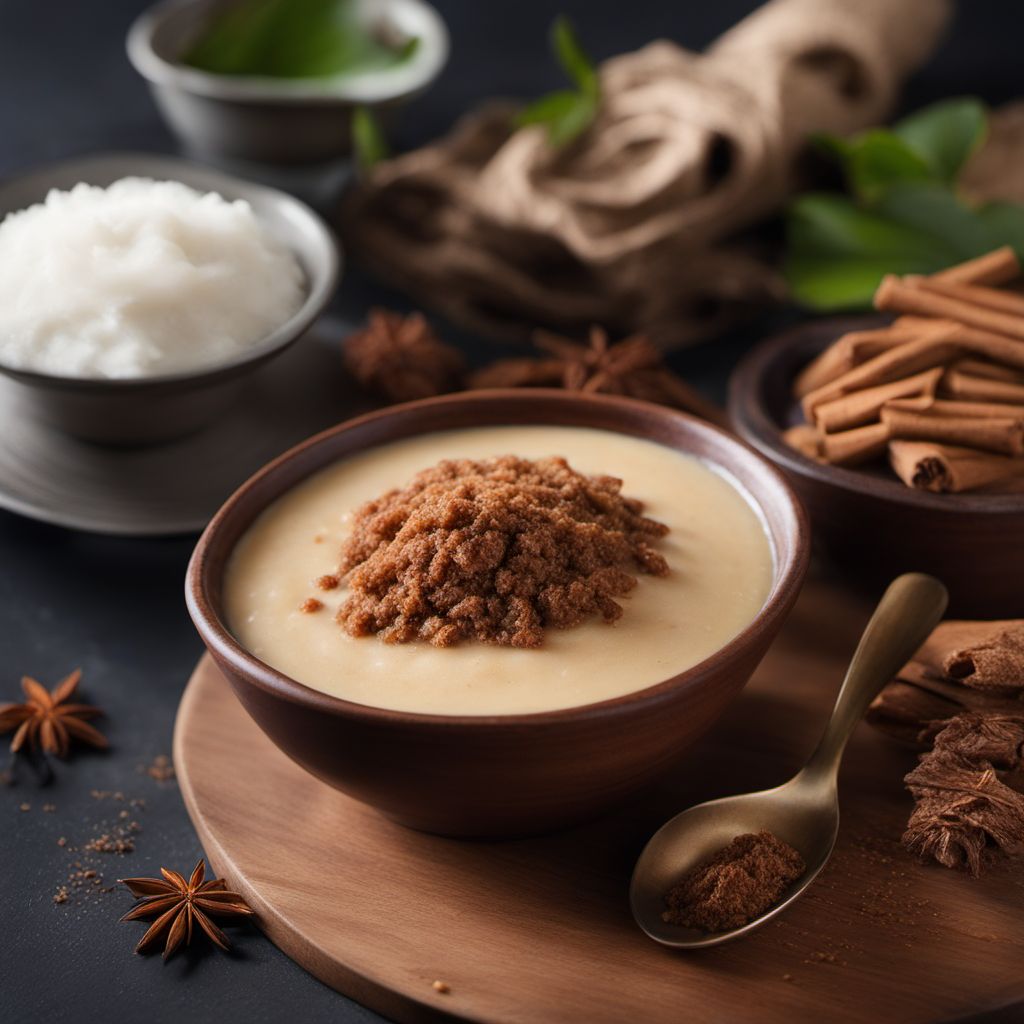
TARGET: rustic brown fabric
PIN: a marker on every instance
(630, 225)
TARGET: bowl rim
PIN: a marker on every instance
(758, 428)
(788, 572)
(160, 71)
(319, 286)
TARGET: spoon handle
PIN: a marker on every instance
(910, 609)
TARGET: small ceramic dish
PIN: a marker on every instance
(273, 120)
(868, 522)
(504, 775)
(150, 409)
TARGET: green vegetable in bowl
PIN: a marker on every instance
(297, 39)
(904, 214)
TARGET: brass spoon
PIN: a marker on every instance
(805, 811)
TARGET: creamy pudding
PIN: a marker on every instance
(720, 571)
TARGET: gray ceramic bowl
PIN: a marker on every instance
(272, 120)
(151, 409)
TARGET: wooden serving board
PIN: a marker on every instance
(540, 930)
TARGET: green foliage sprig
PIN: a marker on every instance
(904, 213)
(567, 113)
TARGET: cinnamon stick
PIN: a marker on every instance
(996, 267)
(994, 347)
(952, 408)
(851, 350)
(853, 447)
(993, 371)
(908, 296)
(941, 468)
(933, 348)
(1004, 435)
(976, 295)
(957, 384)
(860, 407)
(804, 438)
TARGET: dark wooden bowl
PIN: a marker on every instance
(505, 775)
(870, 524)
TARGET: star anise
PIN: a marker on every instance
(400, 358)
(47, 721)
(180, 905)
(631, 367)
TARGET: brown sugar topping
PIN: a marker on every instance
(737, 884)
(497, 550)
(310, 605)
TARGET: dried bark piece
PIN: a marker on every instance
(988, 656)
(963, 803)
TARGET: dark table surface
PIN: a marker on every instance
(114, 607)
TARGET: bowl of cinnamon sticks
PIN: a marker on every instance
(903, 433)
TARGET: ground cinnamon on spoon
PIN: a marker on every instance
(737, 884)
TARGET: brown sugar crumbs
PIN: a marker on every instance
(496, 550)
(737, 884)
(310, 605)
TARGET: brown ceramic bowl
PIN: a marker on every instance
(867, 522)
(505, 775)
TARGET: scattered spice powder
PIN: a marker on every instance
(497, 550)
(161, 769)
(737, 884)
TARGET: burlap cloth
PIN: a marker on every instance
(633, 226)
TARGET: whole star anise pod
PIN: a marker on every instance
(631, 367)
(47, 721)
(400, 358)
(179, 906)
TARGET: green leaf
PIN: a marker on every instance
(945, 134)
(937, 215)
(295, 39)
(879, 160)
(368, 142)
(567, 113)
(838, 253)
(837, 285)
(1005, 221)
(831, 145)
(575, 62)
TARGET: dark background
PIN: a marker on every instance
(115, 608)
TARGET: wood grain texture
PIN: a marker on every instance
(539, 930)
